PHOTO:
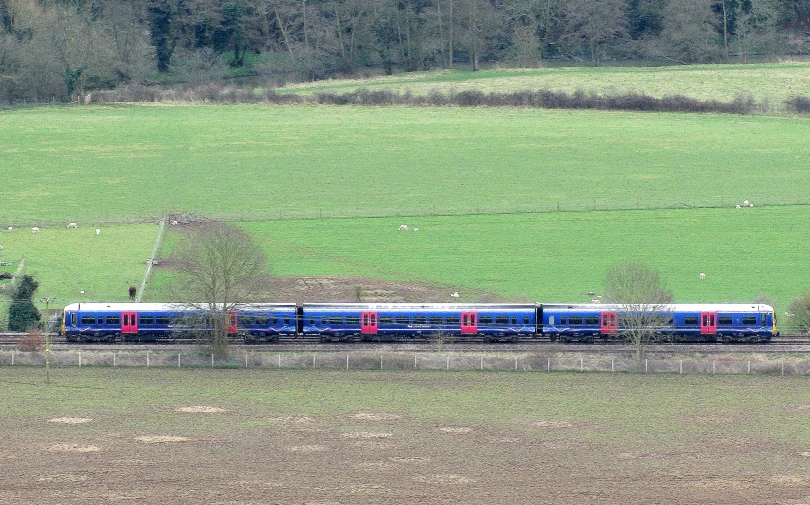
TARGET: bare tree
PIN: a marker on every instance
(799, 313)
(220, 267)
(644, 302)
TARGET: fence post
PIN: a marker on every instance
(147, 359)
(212, 360)
(516, 363)
(613, 365)
(313, 362)
(645, 365)
(381, 367)
(448, 362)
(581, 364)
(749, 367)
(80, 359)
(714, 368)
(482, 362)
(681, 370)
(279, 361)
(347, 361)
(113, 358)
(414, 361)
(549, 363)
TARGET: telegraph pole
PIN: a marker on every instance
(47, 302)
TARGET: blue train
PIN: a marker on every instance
(380, 322)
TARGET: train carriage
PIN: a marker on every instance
(150, 322)
(402, 321)
(729, 323)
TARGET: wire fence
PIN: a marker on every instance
(448, 361)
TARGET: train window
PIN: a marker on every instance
(386, 320)
(501, 319)
(472, 320)
(592, 320)
(724, 320)
(485, 320)
(453, 320)
(147, 319)
(113, 319)
(161, 319)
(73, 319)
(335, 319)
(88, 319)
(286, 320)
(435, 320)
(403, 320)
(526, 320)
(749, 320)
(262, 320)
(353, 320)
(691, 320)
(312, 320)
(551, 320)
(419, 320)
(574, 320)
(563, 320)
(180, 320)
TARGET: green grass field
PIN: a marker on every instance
(96, 164)
(323, 188)
(249, 436)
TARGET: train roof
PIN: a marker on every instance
(420, 306)
(146, 307)
(671, 307)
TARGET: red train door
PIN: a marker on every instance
(129, 322)
(609, 323)
(368, 323)
(232, 323)
(708, 323)
(469, 323)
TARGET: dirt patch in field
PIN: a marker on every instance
(456, 429)
(73, 448)
(161, 439)
(363, 289)
(202, 409)
(70, 420)
(376, 416)
(291, 420)
(367, 434)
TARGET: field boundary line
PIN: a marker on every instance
(151, 259)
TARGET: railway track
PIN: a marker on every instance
(785, 343)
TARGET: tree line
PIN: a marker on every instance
(58, 49)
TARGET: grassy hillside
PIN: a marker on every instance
(774, 82)
(119, 163)
(483, 185)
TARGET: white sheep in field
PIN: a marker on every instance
(98, 231)
(738, 206)
(403, 227)
(454, 295)
(745, 203)
(34, 230)
(72, 226)
(702, 276)
(750, 204)
(416, 229)
(1, 247)
(10, 228)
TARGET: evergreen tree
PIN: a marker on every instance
(22, 314)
